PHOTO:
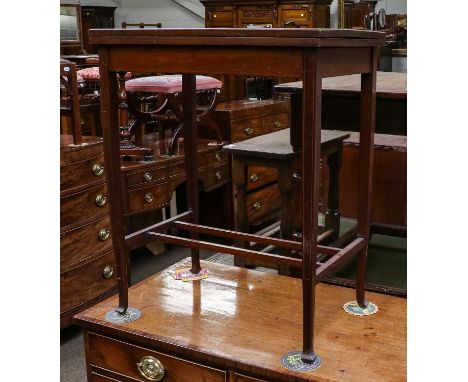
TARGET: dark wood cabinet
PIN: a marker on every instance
(262, 14)
(95, 17)
(267, 13)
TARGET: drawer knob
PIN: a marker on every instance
(218, 175)
(257, 205)
(248, 131)
(253, 178)
(151, 368)
(104, 234)
(277, 124)
(218, 157)
(148, 177)
(98, 169)
(100, 200)
(108, 272)
(149, 197)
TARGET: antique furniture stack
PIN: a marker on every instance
(86, 256)
(237, 324)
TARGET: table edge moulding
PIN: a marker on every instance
(309, 54)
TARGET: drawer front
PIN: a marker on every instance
(83, 205)
(84, 241)
(146, 177)
(214, 176)
(214, 158)
(87, 282)
(275, 122)
(95, 377)
(123, 358)
(244, 378)
(247, 129)
(221, 17)
(82, 173)
(149, 198)
(262, 203)
(301, 15)
(258, 176)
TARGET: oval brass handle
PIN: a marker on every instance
(253, 178)
(104, 234)
(108, 272)
(149, 197)
(218, 157)
(98, 169)
(101, 200)
(151, 368)
(218, 175)
(248, 131)
(277, 124)
(257, 205)
(148, 177)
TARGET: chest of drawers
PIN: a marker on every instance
(241, 120)
(86, 257)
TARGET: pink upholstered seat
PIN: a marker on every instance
(92, 74)
(169, 84)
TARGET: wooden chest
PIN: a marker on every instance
(389, 181)
(86, 257)
(236, 325)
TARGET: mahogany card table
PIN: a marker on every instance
(309, 54)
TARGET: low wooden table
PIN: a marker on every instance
(236, 325)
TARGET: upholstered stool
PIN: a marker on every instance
(158, 99)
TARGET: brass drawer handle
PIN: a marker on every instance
(100, 200)
(148, 177)
(257, 205)
(104, 234)
(98, 169)
(108, 272)
(149, 197)
(248, 131)
(151, 368)
(218, 175)
(277, 124)
(218, 157)
(253, 178)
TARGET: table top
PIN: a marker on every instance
(248, 320)
(277, 145)
(389, 85)
(237, 36)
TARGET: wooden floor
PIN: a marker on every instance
(247, 320)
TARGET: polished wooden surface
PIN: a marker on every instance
(244, 321)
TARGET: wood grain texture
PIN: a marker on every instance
(246, 320)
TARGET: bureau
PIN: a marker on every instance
(86, 256)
